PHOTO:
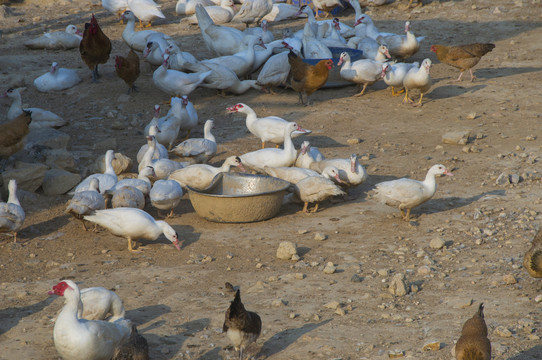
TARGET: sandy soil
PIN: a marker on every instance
(178, 299)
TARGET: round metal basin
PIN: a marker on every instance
(238, 198)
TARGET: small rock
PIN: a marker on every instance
(383, 272)
(278, 303)
(538, 298)
(456, 137)
(353, 141)
(460, 303)
(503, 179)
(302, 231)
(340, 312)
(514, 178)
(396, 354)
(437, 243)
(299, 276)
(502, 332)
(332, 305)
(46, 138)
(398, 285)
(286, 250)
(356, 278)
(329, 268)
(432, 346)
(319, 236)
(118, 125)
(471, 116)
(509, 279)
(424, 270)
(292, 315)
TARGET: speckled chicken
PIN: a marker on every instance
(532, 261)
(242, 327)
(473, 343)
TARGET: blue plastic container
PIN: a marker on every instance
(334, 79)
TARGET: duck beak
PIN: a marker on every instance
(241, 167)
(231, 109)
(176, 244)
(447, 173)
(338, 179)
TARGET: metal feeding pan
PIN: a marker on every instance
(239, 197)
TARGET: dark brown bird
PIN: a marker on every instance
(242, 327)
(135, 348)
(473, 343)
(95, 47)
(306, 78)
(13, 134)
(463, 57)
(532, 261)
(127, 68)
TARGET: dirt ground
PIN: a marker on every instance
(178, 299)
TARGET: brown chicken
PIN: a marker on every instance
(473, 343)
(95, 47)
(463, 57)
(242, 327)
(127, 69)
(306, 78)
(13, 134)
(532, 261)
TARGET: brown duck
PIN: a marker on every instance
(473, 343)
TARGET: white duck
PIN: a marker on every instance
(225, 80)
(169, 125)
(369, 28)
(269, 128)
(307, 155)
(313, 48)
(138, 40)
(115, 7)
(198, 150)
(261, 55)
(143, 183)
(326, 6)
(200, 176)
(179, 60)
(253, 11)
(261, 31)
(241, 63)
(271, 156)
(395, 74)
(57, 79)
(351, 172)
(176, 83)
(222, 40)
(11, 213)
(220, 14)
(58, 40)
(188, 7)
(189, 116)
(315, 189)
(99, 303)
(85, 202)
(133, 224)
(127, 197)
(160, 152)
(402, 46)
(274, 72)
(145, 10)
(40, 118)
(106, 180)
(364, 71)
(291, 174)
(162, 167)
(154, 50)
(371, 48)
(305, 9)
(418, 79)
(166, 195)
(282, 11)
(78, 339)
(334, 39)
(407, 193)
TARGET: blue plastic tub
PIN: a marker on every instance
(334, 79)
